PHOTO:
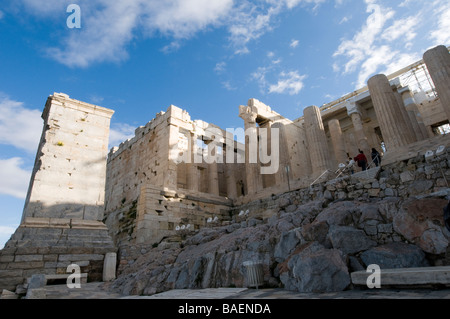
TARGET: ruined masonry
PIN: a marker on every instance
(62, 219)
(84, 203)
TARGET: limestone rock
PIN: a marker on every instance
(395, 255)
(316, 269)
(349, 240)
(421, 222)
(288, 242)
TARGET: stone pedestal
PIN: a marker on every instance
(62, 218)
(437, 61)
(395, 130)
(317, 140)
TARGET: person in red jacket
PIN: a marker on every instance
(361, 159)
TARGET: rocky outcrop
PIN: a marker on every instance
(307, 248)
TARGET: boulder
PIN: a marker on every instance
(349, 240)
(421, 222)
(395, 255)
(315, 268)
(288, 241)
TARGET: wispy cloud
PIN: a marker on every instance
(290, 82)
(441, 35)
(294, 43)
(119, 133)
(383, 44)
(108, 27)
(19, 126)
(14, 177)
(220, 67)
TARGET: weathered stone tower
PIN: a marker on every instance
(62, 218)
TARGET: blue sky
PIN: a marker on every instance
(208, 57)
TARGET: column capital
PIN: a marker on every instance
(352, 107)
(247, 114)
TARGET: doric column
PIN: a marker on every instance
(410, 120)
(192, 173)
(437, 61)
(230, 177)
(252, 167)
(213, 173)
(338, 141)
(413, 112)
(356, 117)
(395, 130)
(317, 140)
(284, 174)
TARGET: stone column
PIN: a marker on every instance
(409, 118)
(338, 141)
(437, 61)
(413, 110)
(230, 177)
(213, 173)
(392, 123)
(252, 167)
(283, 176)
(192, 173)
(171, 173)
(317, 140)
(356, 117)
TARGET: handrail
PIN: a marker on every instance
(319, 177)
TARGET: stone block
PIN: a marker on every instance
(27, 258)
(109, 267)
(39, 293)
(37, 281)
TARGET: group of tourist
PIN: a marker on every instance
(361, 160)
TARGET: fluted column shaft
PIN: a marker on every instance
(437, 61)
(338, 141)
(395, 130)
(317, 140)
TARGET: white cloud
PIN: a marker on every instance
(294, 43)
(5, 234)
(403, 29)
(384, 47)
(290, 83)
(260, 77)
(109, 26)
(19, 126)
(441, 35)
(220, 67)
(345, 19)
(119, 133)
(357, 49)
(15, 179)
(227, 85)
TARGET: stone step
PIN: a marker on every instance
(407, 276)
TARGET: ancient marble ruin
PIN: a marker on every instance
(84, 203)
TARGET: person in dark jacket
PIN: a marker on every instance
(361, 159)
(376, 157)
